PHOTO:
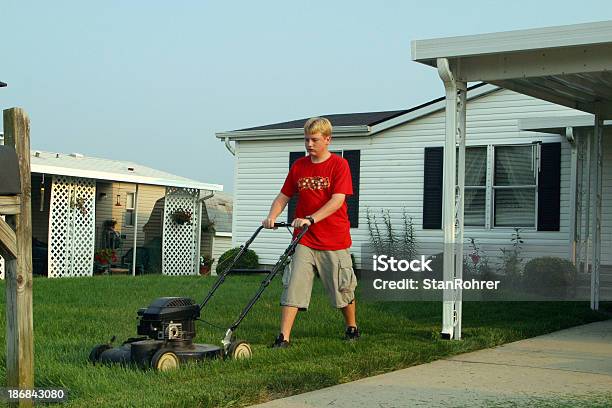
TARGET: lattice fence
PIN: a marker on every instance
(71, 227)
(179, 240)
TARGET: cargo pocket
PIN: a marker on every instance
(347, 282)
(287, 274)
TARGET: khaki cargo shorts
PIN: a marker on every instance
(335, 269)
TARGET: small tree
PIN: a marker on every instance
(409, 240)
(393, 241)
(512, 263)
(374, 231)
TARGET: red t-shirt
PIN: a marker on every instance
(315, 183)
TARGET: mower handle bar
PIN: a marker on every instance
(264, 284)
(243, 249)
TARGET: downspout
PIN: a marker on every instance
(135, 247)
(569, 135)
(229, 147)
(453, 190)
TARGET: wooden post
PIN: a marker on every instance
(19, 330)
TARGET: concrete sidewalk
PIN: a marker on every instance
(548, 369)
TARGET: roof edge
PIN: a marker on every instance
(428, 50)
(292, 133)
(558, 124)
(109, 176)
(435, 105)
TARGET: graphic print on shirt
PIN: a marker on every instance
(313, 183)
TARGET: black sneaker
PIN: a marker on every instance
(280, 342)
(352, 333)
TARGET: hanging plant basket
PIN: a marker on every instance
(182, 216)
(79, 204)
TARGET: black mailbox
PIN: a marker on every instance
(10, 183)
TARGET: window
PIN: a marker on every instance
(515, 186)
(129, 209)
(505, 186)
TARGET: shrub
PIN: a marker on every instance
(248, 260)
(550, 276)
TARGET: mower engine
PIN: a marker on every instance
(169, 319)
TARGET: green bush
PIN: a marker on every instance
(550, 276)
(248, 260)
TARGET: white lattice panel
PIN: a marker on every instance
(71, 227)
(179, 241)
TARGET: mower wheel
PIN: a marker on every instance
(239, 350)
(94, 355)
(164, 360)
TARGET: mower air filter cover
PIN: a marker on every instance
(166, 311)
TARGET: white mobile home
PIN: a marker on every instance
(396, 162)
(92, 215)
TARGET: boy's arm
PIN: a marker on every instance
(330, 207)
(277, 207)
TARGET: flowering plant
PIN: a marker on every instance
(205, 265)
(206, 260)
(105, 256)
(78, 203)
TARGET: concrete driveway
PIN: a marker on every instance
(570, 367)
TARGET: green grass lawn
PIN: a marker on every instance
(72, 315)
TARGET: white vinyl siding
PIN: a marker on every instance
(392, 176)
(220, 245)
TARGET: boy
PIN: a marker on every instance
(323, 180)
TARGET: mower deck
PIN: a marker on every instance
(141, 352)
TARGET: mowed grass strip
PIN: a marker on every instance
(73, 315)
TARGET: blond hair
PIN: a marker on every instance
(318, 125)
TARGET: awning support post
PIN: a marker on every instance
(597, 172)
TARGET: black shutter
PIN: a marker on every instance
(293, 156)
(432, 187)
(549, 187)
(353, 157)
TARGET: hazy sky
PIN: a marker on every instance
(152, 81)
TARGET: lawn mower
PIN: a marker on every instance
(167, 326)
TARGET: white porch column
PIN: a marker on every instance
(574, 196)
(452, 196)
(589, 199)
(596, 211)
